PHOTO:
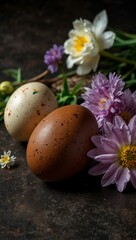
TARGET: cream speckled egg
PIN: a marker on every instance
(26, 107)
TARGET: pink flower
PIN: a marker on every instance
(115, 153)
(103, 98)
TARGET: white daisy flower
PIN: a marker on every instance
(7, 160)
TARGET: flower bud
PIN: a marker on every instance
(6, 87)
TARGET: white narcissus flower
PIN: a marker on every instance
(86, 41)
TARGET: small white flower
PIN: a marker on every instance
(85, 42)
(7, 160)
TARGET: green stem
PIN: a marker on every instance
(128, 73)
(130, 83)
(65, 90)
(126, 34)
(122, 43)
(67, 74)
(116, 58)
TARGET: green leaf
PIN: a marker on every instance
(73, 100)
(65, 87)
(63, 99)
(125, 43)
(129, 73)
(130, 83)
(77, 88)
(1, 118)
(14, 73)
(18, 79)
(113, 57)
(2, 104)
(125, 34)
(11, 73)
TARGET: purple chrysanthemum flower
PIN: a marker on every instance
(127, 108)
(103, 98)
(53, 56)
(116, 153)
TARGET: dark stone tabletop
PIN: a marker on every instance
(79, 209)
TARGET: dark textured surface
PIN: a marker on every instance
(79, 209)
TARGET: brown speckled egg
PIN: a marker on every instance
(58, 146)
(26, 107)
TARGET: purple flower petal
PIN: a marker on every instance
(107, 128)
(120, 134)
(122, 177)
(106, 158)
(99, 169)
(117, 83)
(109, 176)
(117, 136)
(103, 98)
(109, 146)
(97, 140)
(128, 105)
(133, 177)
(106, 99)
(132, 127)
(52, 57)
(94, 152)
(118, 122)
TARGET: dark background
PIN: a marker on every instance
(78, 209)
(29, 28)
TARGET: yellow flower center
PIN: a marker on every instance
(128, 156)
(79, 42)
(104, 103)
(126, 116)
(5, 159)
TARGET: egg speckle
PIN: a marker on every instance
(26, 107)
(57, 148)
